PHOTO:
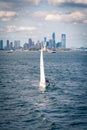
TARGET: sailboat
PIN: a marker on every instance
(42, 73)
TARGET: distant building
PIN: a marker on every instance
(38, 44)
(45, 44)
(31, 43)
(59, 45)
(8, 45)
(53, 39)
(1, 44)
(11, 46)
(26, 46)
(45, 41)
(50, 44)
(63, 40)
(17, 44)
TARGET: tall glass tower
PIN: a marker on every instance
(1, 44)
(8, 45)
(63, 40)
(53, 39)
(45, 41)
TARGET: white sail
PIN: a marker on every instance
(42, 73)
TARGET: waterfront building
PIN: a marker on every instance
(17, 44)
(11, 45)
(59, 45)
(45, 44)
(26, 46)
(30, 43)
(1, 44)
(38, 44)
(63, 40)
(50, 44)
(8, 45)
(53, 39)
(45, 41)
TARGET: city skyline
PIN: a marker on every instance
(49, 43)
(36, 19)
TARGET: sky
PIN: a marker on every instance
(36, 19)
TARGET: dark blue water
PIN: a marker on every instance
(63, 106)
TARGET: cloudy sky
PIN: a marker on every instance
(36, 19)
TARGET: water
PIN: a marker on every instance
(63, 106)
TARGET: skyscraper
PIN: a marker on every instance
(50, 43)
(63, 40)
(45, 41)
(53, 39)
(30, 43)
(17, 44)
(45, 44)
(11, 45)
(1, 44)
(8, 45)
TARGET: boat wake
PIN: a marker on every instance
(42, 73)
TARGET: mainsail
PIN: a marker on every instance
(42, 73)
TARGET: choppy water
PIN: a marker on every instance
(61, 107)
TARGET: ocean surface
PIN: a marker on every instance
(63, 106)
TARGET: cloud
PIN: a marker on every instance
(7, 15)
(20, 28)
(40, 14)
(69, 17)
(56, 16)
(60, 2)
(1, 29)
(36, 2)
(4, 4)
(13, 4)
(56, 2)
(85, 21)
(80, 1)
(5, 19)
